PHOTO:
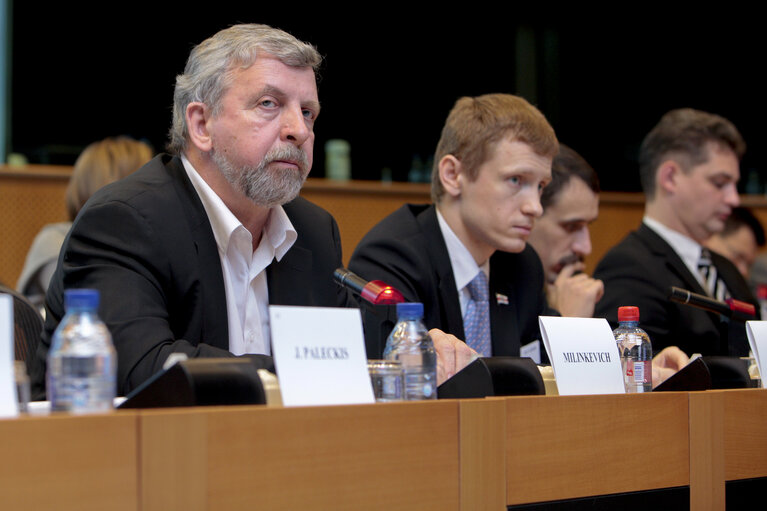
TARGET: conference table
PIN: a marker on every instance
(672, 450)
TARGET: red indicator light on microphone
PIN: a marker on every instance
(380, 293)
(743, 307)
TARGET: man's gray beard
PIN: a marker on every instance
(265, 187)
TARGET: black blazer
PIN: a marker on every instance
(641, 269)
(146, 244)
(406, 250)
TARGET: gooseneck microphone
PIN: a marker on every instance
(726, 308)
(374, 291)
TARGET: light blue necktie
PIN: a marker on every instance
(476, 322)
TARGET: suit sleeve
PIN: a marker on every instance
(630, 281)
(119, 252)
(396, 263)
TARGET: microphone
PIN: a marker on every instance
(375, 291)
(726, 308)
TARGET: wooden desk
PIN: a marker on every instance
(400, 456)
(568, 447)
(68, 462)
(467, 455)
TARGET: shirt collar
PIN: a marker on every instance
(278, 231)
(464, 266)
(686, 248)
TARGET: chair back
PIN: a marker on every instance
(27, 325)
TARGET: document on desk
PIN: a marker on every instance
(583, 354)
(9, 406)
(319, 354)
(757, 339)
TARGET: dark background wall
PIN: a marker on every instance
(390, 76)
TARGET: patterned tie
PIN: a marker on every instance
(712, 283)
(476, 322)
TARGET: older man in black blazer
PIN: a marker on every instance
(189, 252)
(689, 168)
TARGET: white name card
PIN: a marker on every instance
(757, 339)
(583, 354)
(9, 406)
(319, 354)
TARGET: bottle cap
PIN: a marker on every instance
(628, 313)
(81, 299)
(410, 309)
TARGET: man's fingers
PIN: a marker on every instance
(452, 354)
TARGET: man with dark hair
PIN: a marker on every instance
(740, 239)
(465, 257)
(689, 168)
(561, 236)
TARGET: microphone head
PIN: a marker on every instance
(380, 293)
(375, 291)
(742, 307)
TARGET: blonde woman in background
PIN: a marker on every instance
(99, 164)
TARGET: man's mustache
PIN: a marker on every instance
(570, 259)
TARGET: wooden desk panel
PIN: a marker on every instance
(70, 463)
(575, 446)
(707, 489)
(29, 199)
(745, 433)
(33, 196)
(401, 456)
(482, 456)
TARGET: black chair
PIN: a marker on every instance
(27, 325)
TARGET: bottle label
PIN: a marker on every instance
(638, 372)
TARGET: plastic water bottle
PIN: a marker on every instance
(410, 344)
(82, 362)
(635, 350)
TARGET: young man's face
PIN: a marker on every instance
(498, 208)
(561, 236)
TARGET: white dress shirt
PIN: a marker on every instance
(464, 266)
(244, 270)
(686, 248)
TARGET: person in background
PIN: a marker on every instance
(740, 239)
(562, 239)
(99, 164)
(689, 169)
(561, 236)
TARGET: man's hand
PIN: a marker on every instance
(452, 354)
(670, 360)
(574, 296)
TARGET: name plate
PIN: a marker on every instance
(757, 339)
(319, 354)
(583, 355)
(9, 406)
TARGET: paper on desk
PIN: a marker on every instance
(319, 354)
(9, 406)
(583, 355)
(757, 339)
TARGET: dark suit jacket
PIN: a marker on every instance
(641, 269)
(146, 244)
(407, 251)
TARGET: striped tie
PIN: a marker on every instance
(476, 322)
(712, 283)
